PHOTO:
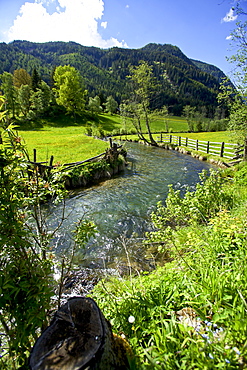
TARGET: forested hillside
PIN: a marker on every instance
(181, 81)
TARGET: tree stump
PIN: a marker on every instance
(79, 337)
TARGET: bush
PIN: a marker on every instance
(196, 206)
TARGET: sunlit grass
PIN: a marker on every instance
(65, 139)
(218, 136)
(66, 144)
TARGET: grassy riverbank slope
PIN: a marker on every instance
(190, 313)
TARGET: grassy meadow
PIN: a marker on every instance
(66, 144)
(65, 138)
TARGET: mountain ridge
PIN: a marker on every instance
(187, 81)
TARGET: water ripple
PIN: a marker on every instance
(121, 207)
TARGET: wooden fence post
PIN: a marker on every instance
(208, 143)
(51, 160)
(179, 141)
(34, 155)
(222, 149)
(197, 145)
(170, 138)
(245, 150)
(110, 139)
(186, 141)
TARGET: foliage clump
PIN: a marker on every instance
(27, 258)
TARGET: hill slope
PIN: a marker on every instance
(182, 81)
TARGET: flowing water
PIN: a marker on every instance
(121, 207)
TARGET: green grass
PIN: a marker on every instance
(66, 144)
(219, 136)
(174, 124)
(65, 139)
(189, 313)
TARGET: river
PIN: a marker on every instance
(121, 207)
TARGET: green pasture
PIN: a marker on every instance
(172, 123)
(65, 138)
(66, 144)
(218, 136)
(157, 124)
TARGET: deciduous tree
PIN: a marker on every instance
(21, 77)
(236, 98)
(111, 105)
(69, 89)
(143, 86)
(10, 93)
(94, 105)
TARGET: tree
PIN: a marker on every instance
(10, 92)
(235, 98)
(40, 99)
(35, 80)
(189, 113)
(24, 99)
(132, 111)
(26, 260)
(69, 89)
(94, 105)
(239, 40)
(25, 282)
(143, 86)
(21, 77)
(111, 105)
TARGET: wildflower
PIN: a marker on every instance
(211, 356)
(235, 349)
(227, 361)
(131, 319)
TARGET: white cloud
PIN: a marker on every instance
(229, 17)
(104, 24)
(228, 37)
(71, 20)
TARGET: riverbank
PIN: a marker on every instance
(191, 312)
(214, 160)
(112, 163)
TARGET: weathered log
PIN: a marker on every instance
(79, 337)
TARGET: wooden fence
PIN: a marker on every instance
(49, 164)
(221, 149)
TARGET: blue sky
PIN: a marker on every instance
(200, 28)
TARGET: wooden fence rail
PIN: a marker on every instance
(69, 165)
(221, 149)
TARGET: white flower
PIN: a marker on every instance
(131, 319)
(235, 349)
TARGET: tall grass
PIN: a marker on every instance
(192, 312)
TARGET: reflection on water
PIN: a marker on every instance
(121, 207)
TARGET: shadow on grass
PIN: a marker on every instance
(61, 120)
(108, 123)
(28, 126)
